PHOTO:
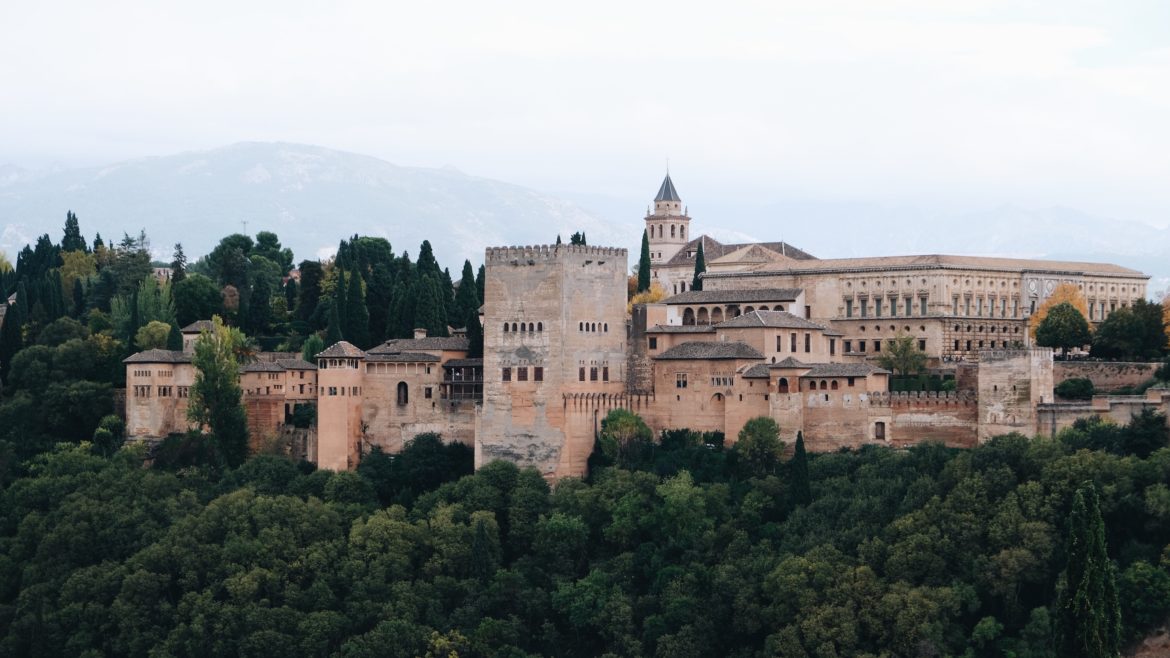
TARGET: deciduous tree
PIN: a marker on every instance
(215, 397)
(1063, 327)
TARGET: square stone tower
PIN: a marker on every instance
(554, 330)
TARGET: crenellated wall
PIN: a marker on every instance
(1106, 376)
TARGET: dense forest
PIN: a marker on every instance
(675, 545)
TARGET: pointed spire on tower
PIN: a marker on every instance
(667, 191)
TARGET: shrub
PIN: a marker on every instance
(1075, 388)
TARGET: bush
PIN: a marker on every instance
(1075, 388)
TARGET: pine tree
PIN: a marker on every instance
(558, 239)
(357, 316)
(97, 242)
(178, 264)
(474, 335)
(801, 487)
(1088, 618)
(73, 241)
(700, 267)
(310, 289)
(644, 264)
(577, 238)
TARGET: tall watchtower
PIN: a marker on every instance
(668, 226)
(554, 328)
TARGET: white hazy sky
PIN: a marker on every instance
(899, 101)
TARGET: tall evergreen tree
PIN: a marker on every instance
(78, 298)
(340, 290)
(97, 242)
(135, 322)
(312, 347)
(466, 297)
(700, 267)
(175, 338)
(333, 330)
(559, 239)
(447, 287)
(291, 291)
(357, 316)
(259, 317)
(73, 241)
(474, 335)
(11, 340)
(577, 238)
(379, 288)
(480, 279)
(801, 487)
(644, 264)
(1088, 618)
(178, 264)
(426, 265)
(430, 313)
(310, 294)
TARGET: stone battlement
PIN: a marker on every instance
(607, 400)
(548, 252)
(921, 398)
(1003, 355)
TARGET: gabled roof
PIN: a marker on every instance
(667, 192)
(395, 345)
(710, 350)
(296, 364)
(742, 296)
(843, 370)
(158, 356)
(789, 362)
(756, 371)
(714, 250)
(262, 366)
(403, 357)
(773, 319)
(198, 327)
(341, 349)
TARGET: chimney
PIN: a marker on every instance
(420, 332)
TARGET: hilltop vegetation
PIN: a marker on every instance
(688, 550)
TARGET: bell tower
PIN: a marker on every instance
(668, 227)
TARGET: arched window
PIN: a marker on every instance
(505, 327)
(593, 327)
(682, 231)
(716, 315)
(513, 326)
(833, 386)
(824, 385)
(688, 316)
(605, 327)
(703, 319)
(580, 326)
(782, 385)
(672, 230)
(749, 309)
(812, 386)
(540, 326)
(762, 308)
(403, 393)
(660, 230)
(531, 327)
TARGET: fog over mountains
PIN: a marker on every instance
(312, 197)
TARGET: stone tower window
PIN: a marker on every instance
(506, 375)
(782, 386)
(531, 327)
(505, 327)
(672, 230)
(540, 326)
(513, 326)
(403, 393)
(879, 430)
(833, 385)
(605, 327)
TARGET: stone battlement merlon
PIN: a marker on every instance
(547, 252)
(1001, 355)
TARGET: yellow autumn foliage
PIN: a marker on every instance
(1065, 292)
(656, 293)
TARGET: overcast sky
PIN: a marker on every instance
(899, 101)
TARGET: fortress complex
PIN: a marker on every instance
(774, 332)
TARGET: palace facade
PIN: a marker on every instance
(774, 331)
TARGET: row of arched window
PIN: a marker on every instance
(682, 231)
(530, 327)
(593, 326)
(825, 385)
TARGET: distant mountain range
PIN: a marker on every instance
(312, 197)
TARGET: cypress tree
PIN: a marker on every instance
(379, 287)
(333, 331)
(558, 239)
(175, 338)
(430, 313)
(97, 242)
(700, 267)
(259, 315)
(466, 298)
(801, 488)
(340, 289)
(78, 298)
(10, 339)
(134, 323)
(480, 277)
(290, 295)
(474, 335)
(447, 287)
(426, 264)
(357, 316)
(644, 264)
(310, 289)
(1088, 618)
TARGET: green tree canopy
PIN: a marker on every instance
(902, 356)
(1064, 327)
(644, 264)
(1134, 332)
(153, 336)
(700, 268)
(1088, 620)
(215, 397)
(759, 445)
(196, 298)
